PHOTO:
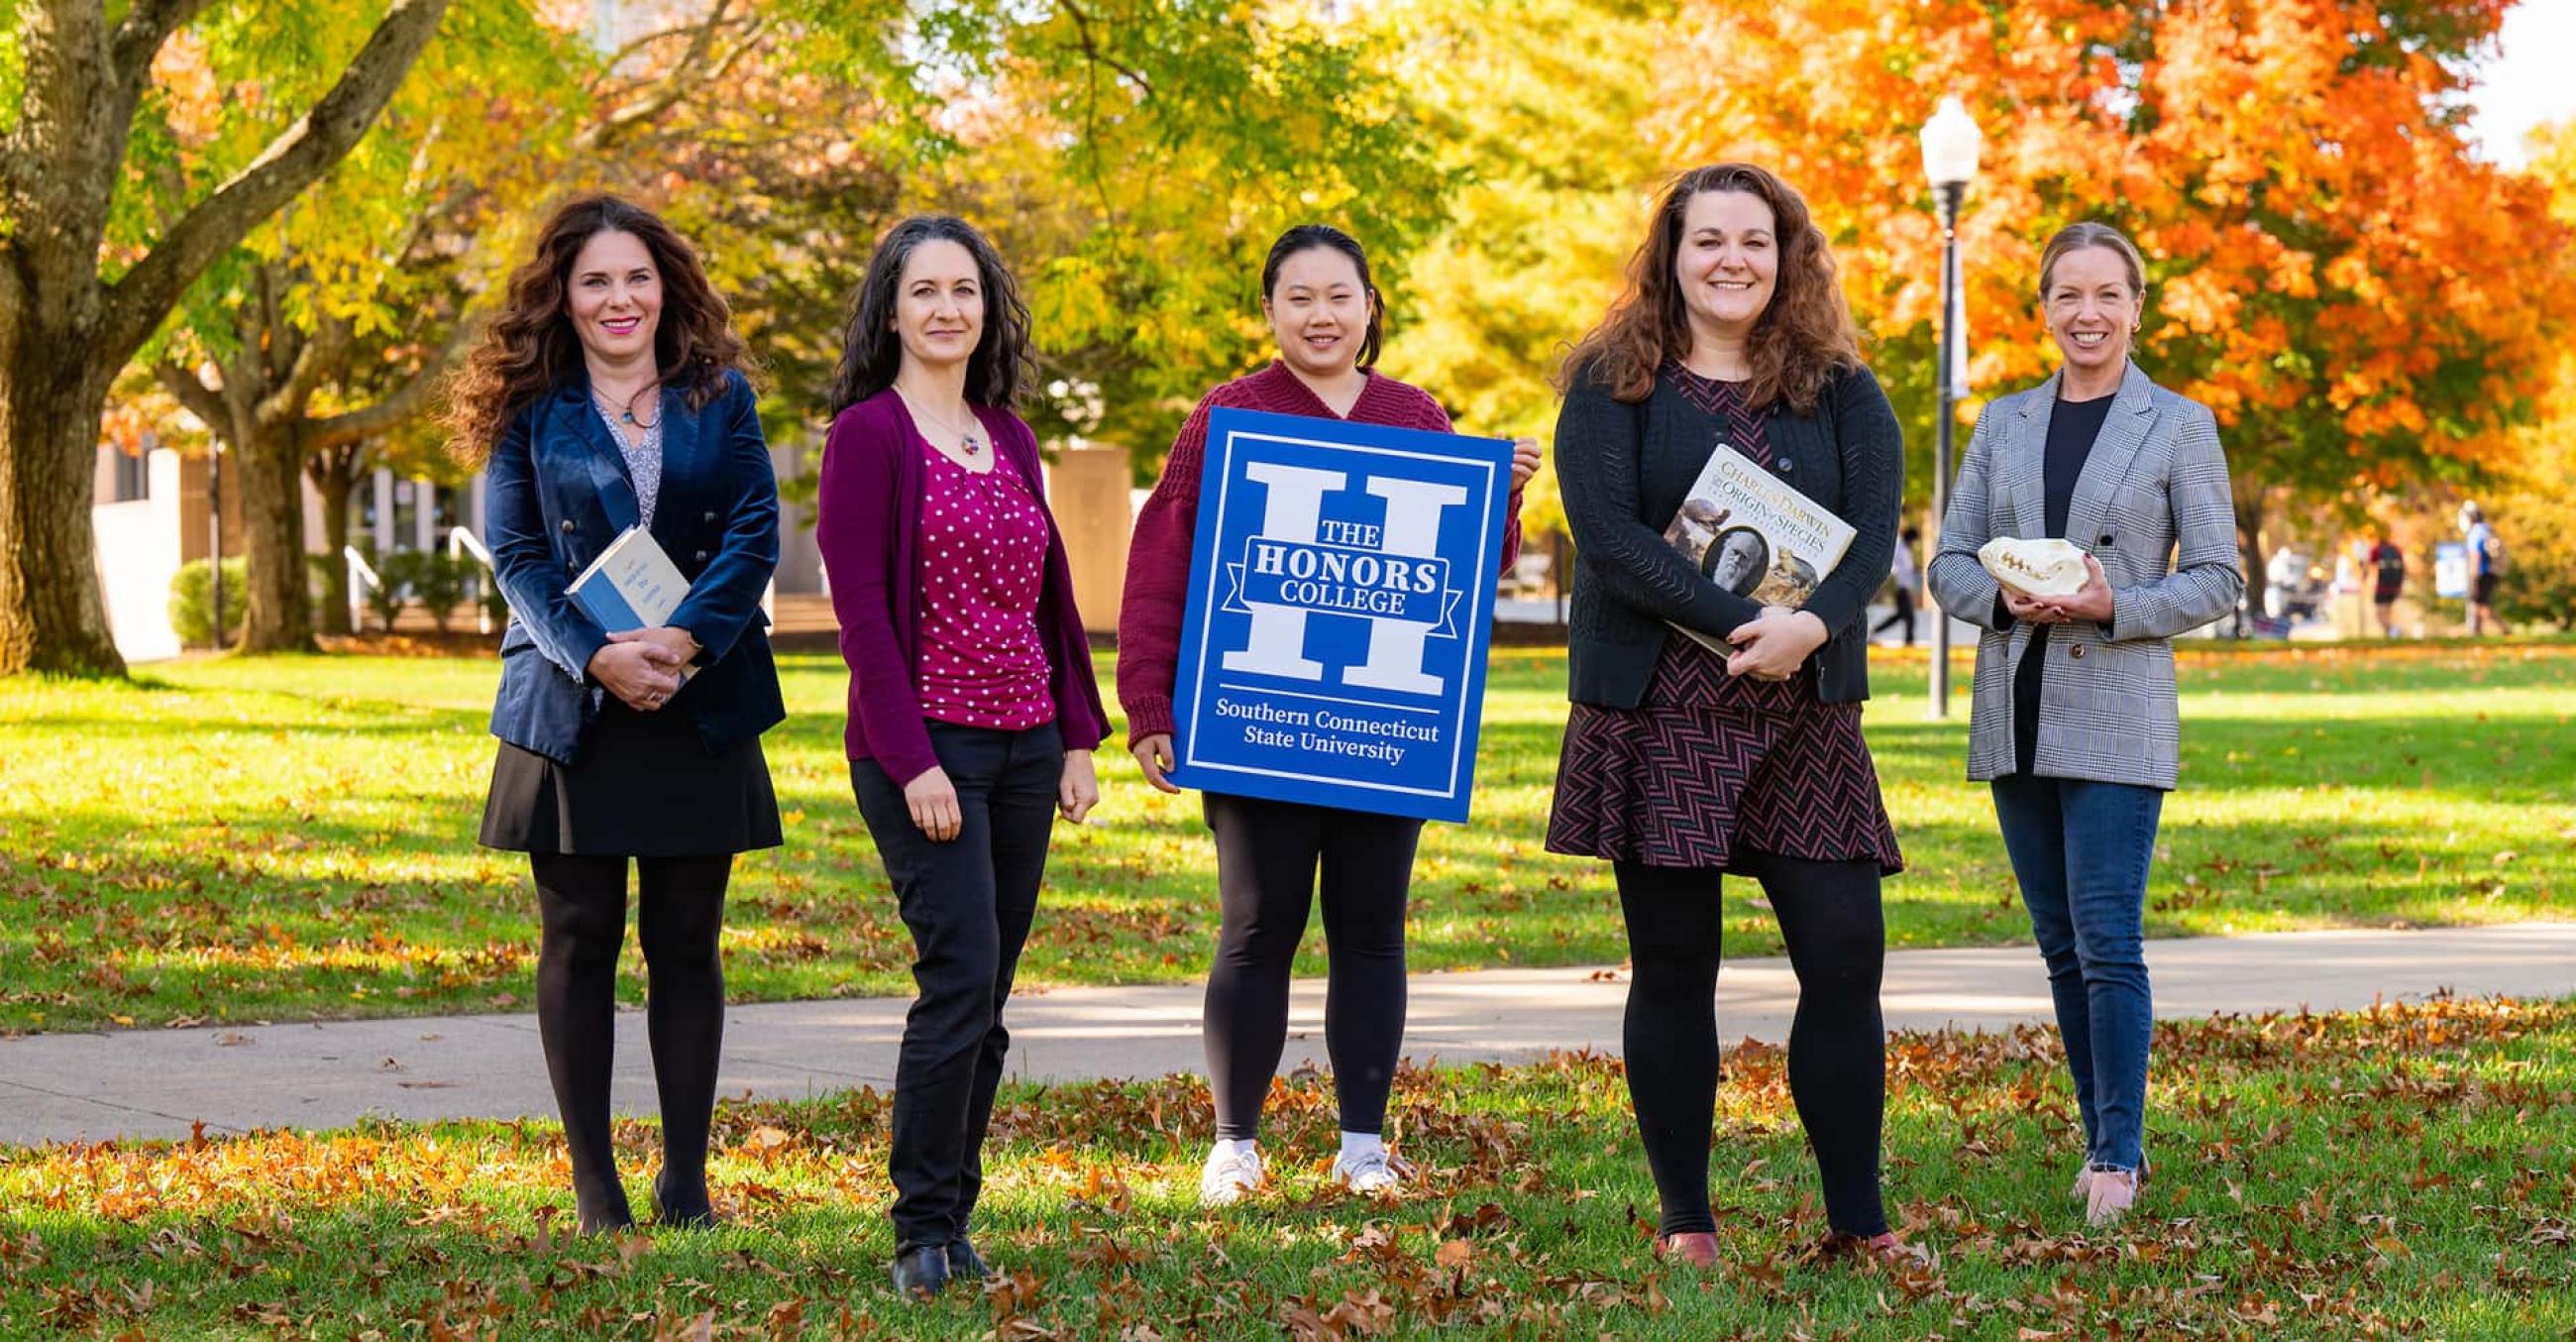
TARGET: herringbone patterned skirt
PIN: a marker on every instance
(1710, 765)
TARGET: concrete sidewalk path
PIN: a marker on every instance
(156, 1083)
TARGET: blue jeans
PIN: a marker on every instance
(2081, 852)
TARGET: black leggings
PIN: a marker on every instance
(1829, 915)
(581, 902)
(1267, 856)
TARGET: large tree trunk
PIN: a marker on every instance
(280, 618)
(2251, 551)
(334, 472)
(52, 616)
(64, 332)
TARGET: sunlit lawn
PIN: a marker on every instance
(259, 839)
(2401, 1173)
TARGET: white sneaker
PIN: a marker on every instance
(1226, 1178)
(1370, 1171)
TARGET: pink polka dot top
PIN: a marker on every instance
(983, 562)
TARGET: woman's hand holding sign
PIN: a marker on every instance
(1525, 459)
(1154, 756)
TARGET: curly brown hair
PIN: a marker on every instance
(1800, 341)
(530, 348)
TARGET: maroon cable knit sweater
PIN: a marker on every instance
(1158, 558)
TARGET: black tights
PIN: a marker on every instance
(1829, 915)
(1267, 856)
(581, 901)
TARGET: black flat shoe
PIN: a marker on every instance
(694, 1213)
(921, 1271)
(964, 1264)
(605, 1215)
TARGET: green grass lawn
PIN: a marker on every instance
(2396, 1173)
(286, 838)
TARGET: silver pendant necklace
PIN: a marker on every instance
(968, 441)
(625, 413)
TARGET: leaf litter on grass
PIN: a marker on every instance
(2393, 1172)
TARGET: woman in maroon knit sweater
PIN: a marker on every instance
(973, 711)
(1327, 318)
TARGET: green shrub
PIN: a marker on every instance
(192, 599)
(439, 581)
(319, 571)
(394, 574)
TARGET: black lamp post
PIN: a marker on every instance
(1950, 143)
(215, 533)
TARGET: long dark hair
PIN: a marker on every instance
(531, 348)
(1799, 342)
(1308, 236)
(871, 352)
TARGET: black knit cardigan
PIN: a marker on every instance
(1624, 470)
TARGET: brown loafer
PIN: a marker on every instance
(1699, 1248)
(1883, 1247)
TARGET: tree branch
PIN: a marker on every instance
(304, 151)
(697, 34)
(689, 73)
(316, 356)
(406, 400)
(1091, 48)
(199, 399)
(138, 39)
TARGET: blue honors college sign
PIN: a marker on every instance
(1341, 598)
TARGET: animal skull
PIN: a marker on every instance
(2049, 568)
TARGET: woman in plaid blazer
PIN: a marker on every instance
(2074, 722)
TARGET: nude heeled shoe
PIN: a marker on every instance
(2108, 1195)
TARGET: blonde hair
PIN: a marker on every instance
(2077, 237)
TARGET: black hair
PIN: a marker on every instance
(1306, 237)
(871, 353)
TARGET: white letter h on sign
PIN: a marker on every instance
(1293, 513)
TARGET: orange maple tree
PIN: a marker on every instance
(2361, 301)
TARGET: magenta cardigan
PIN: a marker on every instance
(868, 525)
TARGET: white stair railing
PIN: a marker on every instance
(463, 542)
(362, 575)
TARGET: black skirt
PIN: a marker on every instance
(644, 787)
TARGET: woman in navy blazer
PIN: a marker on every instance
(610, 394)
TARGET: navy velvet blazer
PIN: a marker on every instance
(556, 492)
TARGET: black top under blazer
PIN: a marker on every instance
(1624, 470)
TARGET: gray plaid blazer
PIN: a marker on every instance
(2157, 480)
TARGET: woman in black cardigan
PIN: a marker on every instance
(1681, 764)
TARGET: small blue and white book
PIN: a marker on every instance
(632, 585)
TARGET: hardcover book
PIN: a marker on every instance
(1749, 532)
(632, 585)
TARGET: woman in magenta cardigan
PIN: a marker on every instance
(972, 711)
(1328, 320)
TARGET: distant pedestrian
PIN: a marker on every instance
(1909, 586)
(2388, 578)
(2486, 569)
